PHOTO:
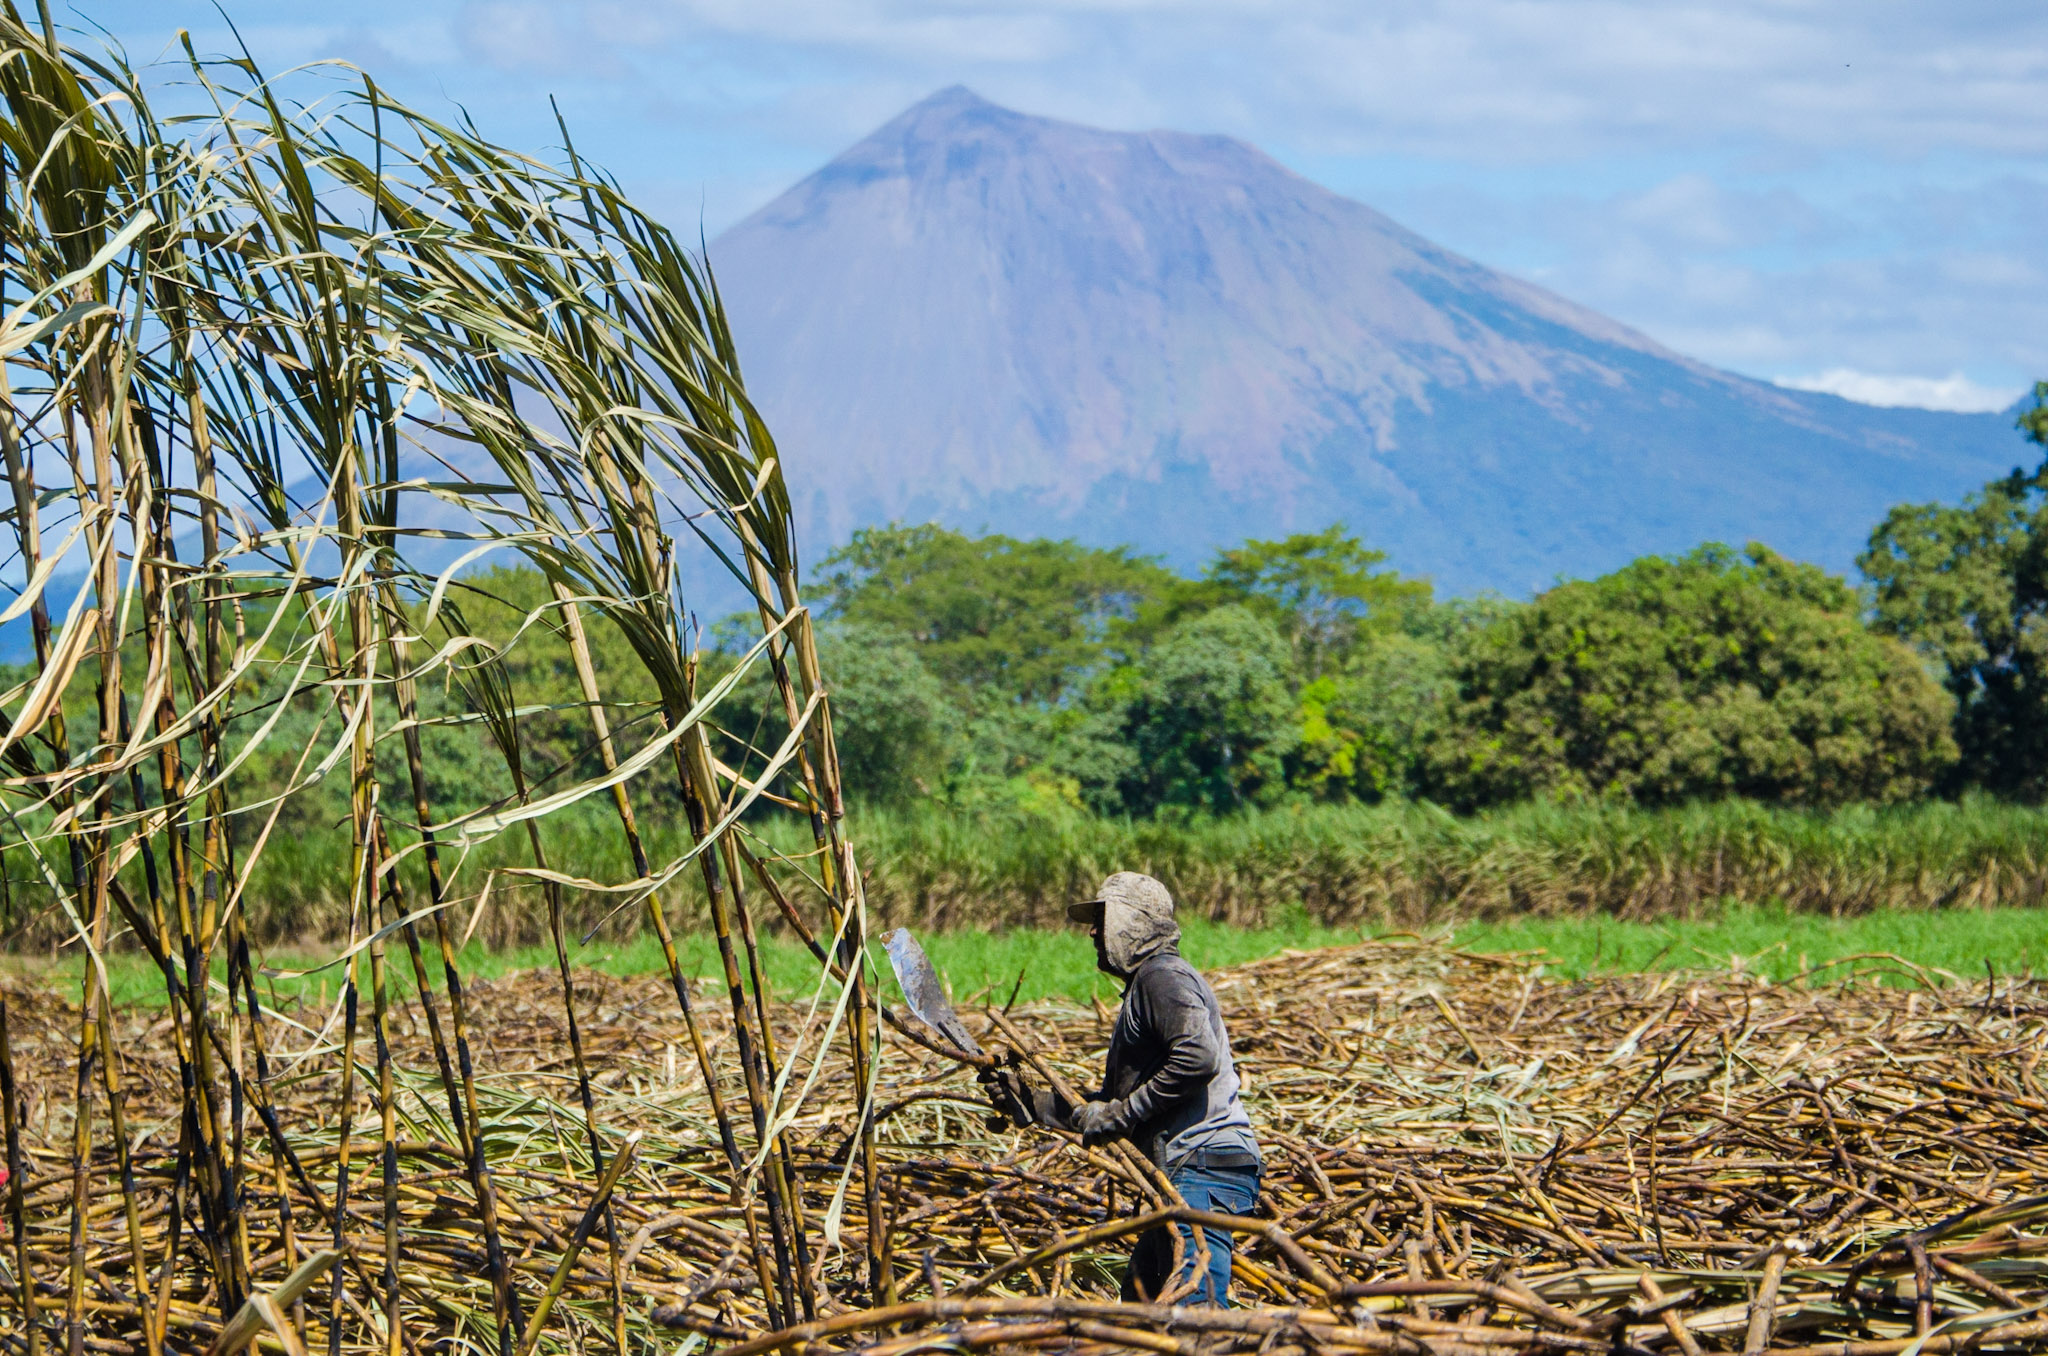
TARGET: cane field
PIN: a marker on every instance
(1589, 890)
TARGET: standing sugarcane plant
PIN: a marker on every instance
(284, 367)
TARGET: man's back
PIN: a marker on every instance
(1170, 1061)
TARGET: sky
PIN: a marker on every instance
(1839, 196)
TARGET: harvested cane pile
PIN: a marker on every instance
(1463, 1156)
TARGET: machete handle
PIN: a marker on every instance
(1146, 1171)
(915, 1031)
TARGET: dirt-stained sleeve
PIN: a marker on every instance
(1176, 1020)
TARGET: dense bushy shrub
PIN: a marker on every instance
(1967, 585)
(1211, 719)
(1717, 673)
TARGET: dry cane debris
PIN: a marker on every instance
(1463, 1157)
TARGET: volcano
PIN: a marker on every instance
(1004, 322)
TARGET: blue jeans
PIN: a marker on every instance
(1228, 1191)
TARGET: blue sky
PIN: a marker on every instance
(1844, 195)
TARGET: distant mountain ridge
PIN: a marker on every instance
(1004, 321)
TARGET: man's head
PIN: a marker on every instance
(1130, 918)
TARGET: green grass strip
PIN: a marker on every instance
(1059, 963)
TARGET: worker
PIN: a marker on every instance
(1169, 1087)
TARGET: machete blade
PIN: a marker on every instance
(923, 993)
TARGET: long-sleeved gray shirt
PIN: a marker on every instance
(1169, 1063)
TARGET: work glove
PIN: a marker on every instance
(1098, 1121)
(1007, 1093)
(1023, 1104)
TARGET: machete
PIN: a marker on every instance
(923, 994)
(926, 998)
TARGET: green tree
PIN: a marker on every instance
(1074, 755)
(1967, 585)
(1363, 729)
(1209, 717)
(2033, 420)
(1323, 590)
(895, 729)
(1364, 724)
(994, 617)
(1718, 673)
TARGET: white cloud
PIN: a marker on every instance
(1484, 82)
(1777, 186)
(1953, 392)
(1488, 80)
(521, 35)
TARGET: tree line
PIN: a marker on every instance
(973, 669)
(992, 672)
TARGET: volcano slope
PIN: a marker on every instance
(999, 321)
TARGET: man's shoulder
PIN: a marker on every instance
(1165, 960)
(1167, 974)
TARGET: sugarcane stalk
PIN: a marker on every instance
(791, 1189)
(600, 1202)
(461, 1094)
(380, 1025)
(339, 1238)
(586, 677)
(694, 769)
(556, 933)
(842, 885)
(117, 1096)
(24, 1274)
